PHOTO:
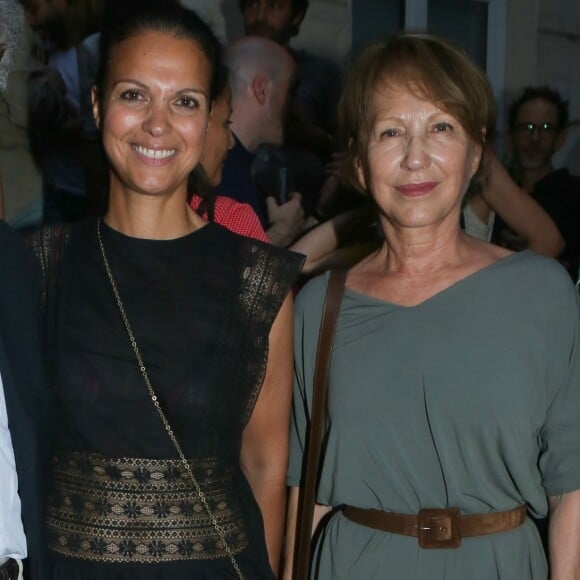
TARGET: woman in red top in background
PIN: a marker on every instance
(237, 217)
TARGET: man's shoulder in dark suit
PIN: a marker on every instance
(25, 388)
(16, 256)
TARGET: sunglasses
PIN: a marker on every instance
(531, 128)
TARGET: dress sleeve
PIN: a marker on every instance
(48, 244)
(269, 274)
(307, 316)
(560, 436)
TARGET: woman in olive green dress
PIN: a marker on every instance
(454, 382)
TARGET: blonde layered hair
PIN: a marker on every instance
(431, 68)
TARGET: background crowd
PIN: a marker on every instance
(159, 143)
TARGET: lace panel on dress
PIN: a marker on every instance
(267, 276)
(140, 510)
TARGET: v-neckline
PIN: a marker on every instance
(465, 280)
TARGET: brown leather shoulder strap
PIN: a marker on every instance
(314, 439)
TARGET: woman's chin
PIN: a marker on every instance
(421, 220)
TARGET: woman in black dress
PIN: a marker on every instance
(172, 341)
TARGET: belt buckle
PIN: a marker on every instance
(439, 528)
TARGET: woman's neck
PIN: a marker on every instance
(151, 217)
(420, 251)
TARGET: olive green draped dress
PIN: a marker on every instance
(470, 399)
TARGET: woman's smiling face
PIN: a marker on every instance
(419, 160)
(154, 113)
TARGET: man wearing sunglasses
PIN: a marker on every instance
(537, 130)
(537, 122)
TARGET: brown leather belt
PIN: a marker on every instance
(438, 528)
(9, 570)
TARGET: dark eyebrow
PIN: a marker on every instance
(132, 81)
(192, 90)
(144, 86)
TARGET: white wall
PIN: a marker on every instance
(326, 30)
(521, 45)
(234, 21)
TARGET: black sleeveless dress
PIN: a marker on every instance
(201, 308)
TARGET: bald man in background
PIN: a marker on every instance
(261, 76)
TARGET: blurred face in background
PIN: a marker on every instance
(219, 139)
(273, 19)
(536, 134)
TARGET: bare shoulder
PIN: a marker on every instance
(494, 253)
(368, 264)
(369, 267)
(532, 269)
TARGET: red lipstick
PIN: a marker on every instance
(416, 189)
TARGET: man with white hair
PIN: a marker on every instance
(261, 76)
(23, 405)
(318, 80)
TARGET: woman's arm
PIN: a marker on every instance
(319, 512)
(264, 454)
(320, 243)
(522, 213)
(564, 536)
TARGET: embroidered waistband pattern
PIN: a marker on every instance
(140, 510)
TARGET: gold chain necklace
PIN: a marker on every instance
(160, 411)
